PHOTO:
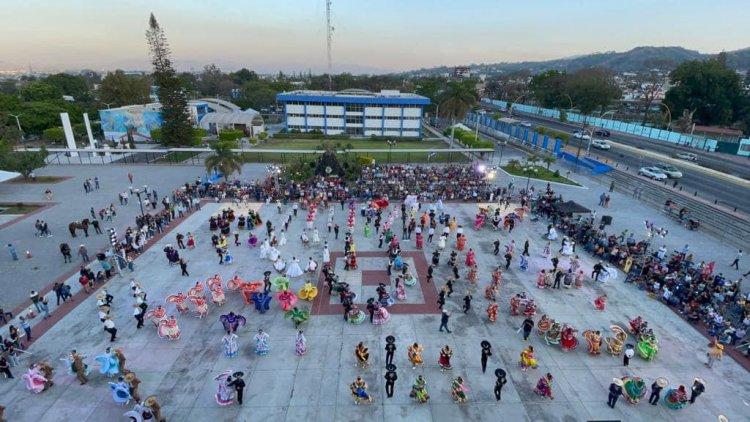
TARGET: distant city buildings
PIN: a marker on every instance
(354, 112)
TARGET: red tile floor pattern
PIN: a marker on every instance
(374, 277)
(322, 306)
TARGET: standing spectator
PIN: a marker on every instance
(65, 251)
(97, 229)
(528, 325)
(83, 253)
(183, 267)
(13, 252)
(736, 262)
(45, 307)
(58, 292)
(130, 178)
(34, 296)
(96, 182)
(26, 327)
(5, 367)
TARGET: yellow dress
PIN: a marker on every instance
(308, 292)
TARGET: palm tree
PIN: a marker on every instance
(532, 159)
(456, 101)
(514, 163)
(549, 160)
(224, 160)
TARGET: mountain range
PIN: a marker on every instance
(637, 59)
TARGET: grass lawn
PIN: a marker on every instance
(18, 208)
(380, 157)
(39, 179)
(541, 174)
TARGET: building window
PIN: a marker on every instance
(353, 119)
(354, 108)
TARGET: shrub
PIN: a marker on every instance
(231, 135)
(365, 160)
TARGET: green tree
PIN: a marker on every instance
(24, 162)
(708, 89)
(213, 82)
(224, 159)
(41, 115)
(176, 128)
(75, 86)
(54, 134)
(549, 160)
(592, 89)
(156, 135)
(550, 89)
(40, 91)
(243, 75)
(118, 89)
(457, 99)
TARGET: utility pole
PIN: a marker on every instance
(329, 41)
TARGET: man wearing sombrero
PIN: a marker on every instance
(699, 386)
(656, 388)
(615, 390)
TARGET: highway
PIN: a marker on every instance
(709, 187)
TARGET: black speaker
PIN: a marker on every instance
(607, 220)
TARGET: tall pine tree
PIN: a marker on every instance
(176, 128)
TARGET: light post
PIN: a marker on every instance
(138, 193)
(529, 170)
(390, 149)
(510, 109)
(106, 104)
(18, 122)
(669, 114)
(591, 132)
(502, 149)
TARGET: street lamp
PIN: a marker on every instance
(138, 193)
(18, 122)
(106, 104)
(390, 149)
(669, 114)
(510, 109)
(502, 149)
(591, 132)
(529, 170)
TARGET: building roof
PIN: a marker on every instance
(8, 175)
(354, 96)
(235, 118)
(220, 106)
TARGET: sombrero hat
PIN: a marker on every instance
(618, 382)
(500, 373)
(700, 380)
(723, 418)
(238, 374)
(390, 339)
(101, 296)
(150, 401)
(267, 273)
(485, 344)
(390, 367)
(129, 377)
(720, 346)
(662, 382)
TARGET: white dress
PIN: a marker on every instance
(265, 248)
(441, 243)
(279, 265)
(567, 248)
(326, 255)
(282, 239)
(293, 269)
(316, 236)
(273, 254)
(311, 266)
(552, 234)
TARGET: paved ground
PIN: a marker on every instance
(314, 387)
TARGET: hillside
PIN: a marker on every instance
(637, 59)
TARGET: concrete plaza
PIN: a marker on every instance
(315, 387)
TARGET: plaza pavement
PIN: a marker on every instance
(315, 387)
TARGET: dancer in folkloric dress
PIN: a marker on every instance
(261, 343)
(230, 344)
(300, 344)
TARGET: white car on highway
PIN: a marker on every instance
(652, 173)
(525, 124)
(687, 156)
(600, 144)
(582, 135)
(671, 171)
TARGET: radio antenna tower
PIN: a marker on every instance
(329, 41)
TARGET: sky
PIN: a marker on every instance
(370, 36)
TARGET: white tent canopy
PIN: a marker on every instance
(7, 175)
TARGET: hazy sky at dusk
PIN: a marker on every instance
(369, 35)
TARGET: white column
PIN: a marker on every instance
(88, 130)
(68, 133)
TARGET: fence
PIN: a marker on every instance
(197, 156)
(630, 128)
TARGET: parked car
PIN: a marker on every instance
(689, 156)
(600, 144)
(671, 171)
(525, 124)
(652, 173)
(582, 135)
(602, 132)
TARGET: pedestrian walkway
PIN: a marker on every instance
(315, 387)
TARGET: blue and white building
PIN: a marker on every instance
(354, 112)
